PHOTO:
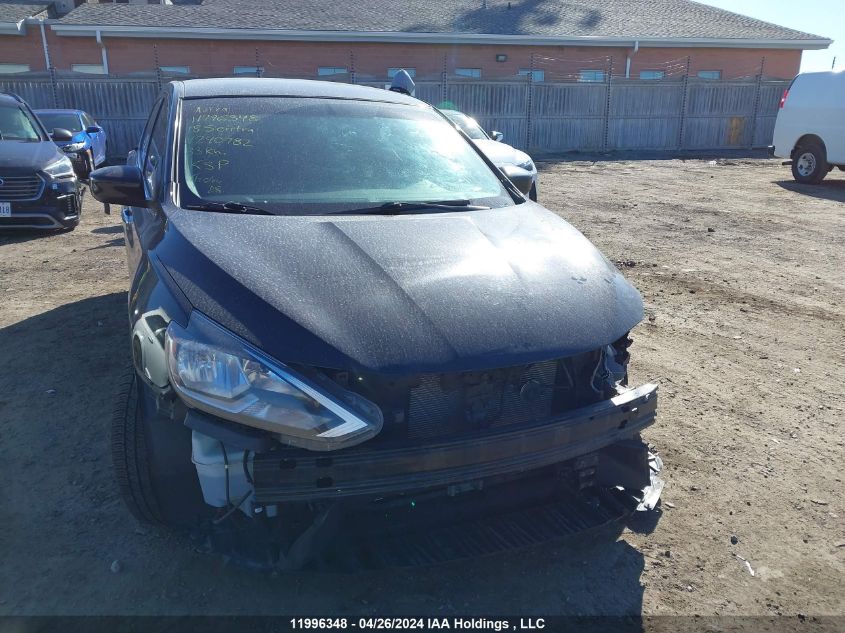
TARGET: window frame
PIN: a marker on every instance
(77, 69)
(333, 71)
(600, 75)
(469, 73)
(717, 77)
(6, 68)
(249, 71)
(537, 76)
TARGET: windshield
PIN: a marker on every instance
(313, 156)
(15, 125)
(468, 125)
(65, 120)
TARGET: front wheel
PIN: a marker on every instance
(809, 165)
(151, 456)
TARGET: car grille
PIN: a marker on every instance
(19, 187)
(442, 404)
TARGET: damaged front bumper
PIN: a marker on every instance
(422, 504)
(295, 475)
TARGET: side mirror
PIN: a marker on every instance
(497, 136)
(118, 184)
(61, 134)
(520, 178)
(93, 129)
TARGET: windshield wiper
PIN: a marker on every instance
(439, 205)
(229, 207)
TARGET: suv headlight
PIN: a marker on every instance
(60, 168)
(213, 370)
(74, 147)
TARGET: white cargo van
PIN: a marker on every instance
(810, 128)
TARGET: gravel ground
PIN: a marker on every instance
(743, 275)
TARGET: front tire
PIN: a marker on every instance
(151, 456)
(809, 165)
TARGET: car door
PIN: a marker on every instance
(133, 218)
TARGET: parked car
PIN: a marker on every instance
(381, 323)
(810, 126)
(88, 147)
(38, 187)
(493, 145)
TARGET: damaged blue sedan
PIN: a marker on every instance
(348, 327)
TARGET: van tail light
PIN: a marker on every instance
(783, 98)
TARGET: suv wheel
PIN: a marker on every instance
(809, 164)
(151, 456)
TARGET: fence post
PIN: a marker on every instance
(606, 122)
(754, 115)
(683, 122)
(351, 67)
(158, 66)
(444, 90)
(528, 139)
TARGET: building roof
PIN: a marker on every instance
(523, 21)
(14, 12)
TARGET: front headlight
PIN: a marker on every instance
(213, 370)
(74, 147)
(527, 165)
(60, 168)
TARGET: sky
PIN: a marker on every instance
(819, 17)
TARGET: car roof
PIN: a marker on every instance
(254, 86)
(7, 99)
(57, 111)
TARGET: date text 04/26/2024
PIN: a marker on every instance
(420, 624)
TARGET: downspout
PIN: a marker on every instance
(628, 60)
(47, 64)
(103, 52)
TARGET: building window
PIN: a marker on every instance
(11, 69)
(253, 71)
(709, 74)
(91, 69)
(475, 73)
(591, 75)
(180, 70)
(328, 71)
(652, 74)
(536, 75)
(391, 72)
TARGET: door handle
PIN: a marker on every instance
(126, 215)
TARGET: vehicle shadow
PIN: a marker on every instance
(108, 230)
(19, 236)
(58, 376)
(832, 189)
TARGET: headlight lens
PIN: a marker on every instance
(213, 370)
(527, 165)
(60, 168)
(74, 147)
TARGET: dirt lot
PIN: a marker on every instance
(743, 275)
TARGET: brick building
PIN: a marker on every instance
(365, 40)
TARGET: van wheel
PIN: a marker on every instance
(809, 164)
(151, 456)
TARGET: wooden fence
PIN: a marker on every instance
(618, 114)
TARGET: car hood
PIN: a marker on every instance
(402, 294)
(501, 153)
(26, 156)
